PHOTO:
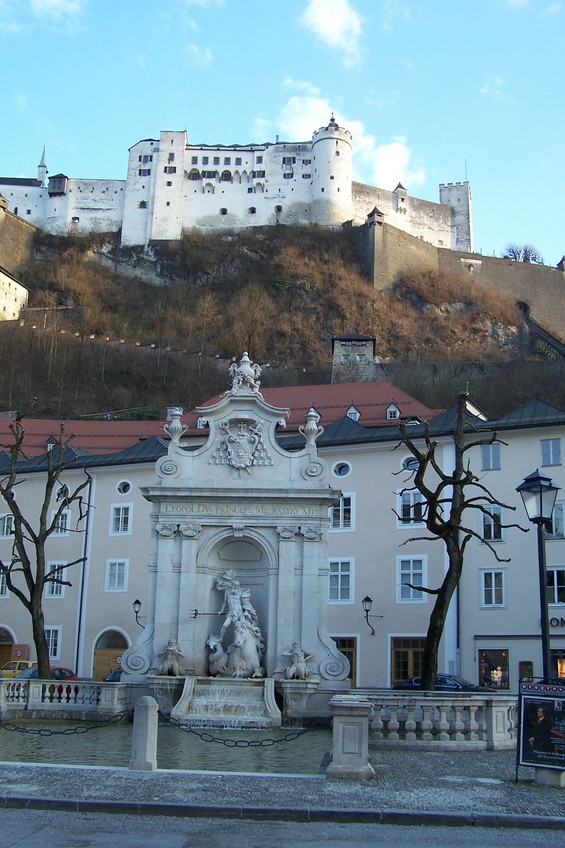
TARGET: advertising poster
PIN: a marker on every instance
(542, 737)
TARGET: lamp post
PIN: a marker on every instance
(136, 608)
(538, 495)
(367, 603)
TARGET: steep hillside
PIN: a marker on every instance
(98, 340)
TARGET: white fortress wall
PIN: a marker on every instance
(95, 205)
(27, 201)
(422, 219)
(168, 211)
(458, 197)
(138, 203)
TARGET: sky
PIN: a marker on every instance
(433, 91)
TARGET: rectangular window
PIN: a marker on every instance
(121, 520)
(227, 160)
(3, 586)
(550, 451)
(238, 160)
(144, 172)
(216, 160)
(494, 670)
(6, 525)
(205, 160)
(341, 581)
(259, 160)
(116, 575)
(411, 575)
(341, 514)
(556, 585)
(55, 590)
(411, 507)
(53, 637)
(406, 659)
(170, 169)
(194, 160)
(490, 455)
(492, 524)
(62, 525)
(555, 529)
(492, 590)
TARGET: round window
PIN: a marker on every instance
(342, 469)
(123, 487)
(410, 463)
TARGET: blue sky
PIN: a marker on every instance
(432, 90)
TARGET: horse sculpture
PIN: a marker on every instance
(243, 656)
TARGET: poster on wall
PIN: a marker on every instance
(542, 732)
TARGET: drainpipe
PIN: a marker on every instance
(83, 584)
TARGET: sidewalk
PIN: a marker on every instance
(459, 788)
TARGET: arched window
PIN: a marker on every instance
(194, 174)
(226, 177)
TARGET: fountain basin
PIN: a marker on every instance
(227, 702)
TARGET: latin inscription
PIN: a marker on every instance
(238, 509)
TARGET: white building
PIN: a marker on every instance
(375, 537)
(13, 296)
(173, 186)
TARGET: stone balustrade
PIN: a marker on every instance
(441, 720)
(61, 699)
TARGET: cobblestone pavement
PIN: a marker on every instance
(409, 787)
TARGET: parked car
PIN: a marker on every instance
(10, 669)
(444, 683)
(57, 673)
(114, 676)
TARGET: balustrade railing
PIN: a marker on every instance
(440, 720)
(61, 695)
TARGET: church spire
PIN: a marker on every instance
(42, 170)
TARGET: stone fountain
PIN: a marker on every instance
(239, 533)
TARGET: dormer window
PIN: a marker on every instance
(392, 412)
(201, 423)
(353, 413)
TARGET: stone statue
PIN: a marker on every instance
(242, 658)
(244, 374)
(297, 668)
(170, 665)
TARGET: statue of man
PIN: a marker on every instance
(232, 604)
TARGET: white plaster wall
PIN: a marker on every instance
(13, 297)
(138, 201)
(26, 201)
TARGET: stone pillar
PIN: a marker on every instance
(550, 777)
(190, 534)
(286, 591)
(350, 738)
(144, 737)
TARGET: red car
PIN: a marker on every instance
(57, 673)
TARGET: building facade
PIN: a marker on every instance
(377, 543)
(174, 186)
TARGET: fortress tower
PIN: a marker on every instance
(331, 179)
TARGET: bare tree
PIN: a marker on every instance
(523, 253)
(25, 570)
(447, 497)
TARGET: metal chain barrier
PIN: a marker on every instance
(67, 731)
(244, 743)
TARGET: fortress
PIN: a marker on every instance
(173, 186)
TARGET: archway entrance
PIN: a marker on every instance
(9, 650)
(108, 653)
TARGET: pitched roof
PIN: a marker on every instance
(96, 437)
(332, 400)
(532, 414)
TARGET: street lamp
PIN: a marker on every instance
(538, 494)
(367, 603)
(136, 608)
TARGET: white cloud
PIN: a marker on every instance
(494, 87)
(21, 101)
(202, 56)
(57, 8)
(552, 9)
(393, 11)
(392, 163)
(383, 165)
(336, 24)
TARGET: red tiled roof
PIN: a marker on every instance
(97, 437)
(332, 401)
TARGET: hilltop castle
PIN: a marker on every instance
(173, 186)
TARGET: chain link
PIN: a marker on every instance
(67, 731)
(244, 743)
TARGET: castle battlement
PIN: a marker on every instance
(173, 186)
